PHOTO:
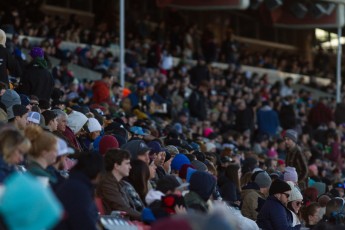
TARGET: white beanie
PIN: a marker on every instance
(295, 193)
(210, 146)
(93, 125)
(76, 121)
(2, 38)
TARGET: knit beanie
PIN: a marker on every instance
(203, 184)
(279, 186)
(107, 142)
(172, 150)
(37, 52)
(93, 125)
(178, 161)
(262, 179)
(295, 193)
(198, 165)
(291, 134)
(290, 174)
(183, 170)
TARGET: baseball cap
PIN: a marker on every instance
(63, 148)
(137, 130)
(169, 183)
(34, 117)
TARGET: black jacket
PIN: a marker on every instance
(37, 81)
(7, 62)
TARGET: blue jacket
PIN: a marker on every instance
(268, 121)
(274, 215)
(76, 196)
(5, 169)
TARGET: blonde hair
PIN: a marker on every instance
(11, 139)
(40, 140)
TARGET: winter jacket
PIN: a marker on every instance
(198, 105)
(5, 169)
(37, 170)
(113, 196)
(37, 80)
(251, 197)
(268, 121)
(195, 202)
(296, 158)
(101, 92)
(228, 190)
(77, 196)
(274, 215)
(7, 62)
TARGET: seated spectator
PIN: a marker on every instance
(13, 146)
(229, 184)
(311, 215)
(18, 116)
(295, 202)
(274, 213)
(254, 194)
(111, 186)
(202, 185)
(77, 194)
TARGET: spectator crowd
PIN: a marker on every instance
(176, 147)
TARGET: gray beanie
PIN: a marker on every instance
(262, 179)
(10, 98)
(198, 165)
(292, 134)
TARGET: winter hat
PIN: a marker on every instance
(93, 125)
(272, 153)
(10, 98)
(295, 193)
(107, 142)
(155, 147)
(179, 160)
(262, 179)
(203, 184)
(207, 132)
(167, 183)
(172, 150)
(279, 186)
(183, 170)
(290, 174)
(24, 192)
(36, 52)
(63, 148)
(24, 99)
(2, 38)
(198, 165)
(76, 121)
(291, 134)
(321, 188)
(34, 117)
(136, 148)
(120, 139)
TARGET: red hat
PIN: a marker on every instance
(281, 162)
(107, 142)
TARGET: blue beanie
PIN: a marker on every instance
(203, 184)
(179, 160)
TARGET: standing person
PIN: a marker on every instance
(274, 213)
(7, 62)
(77, 194)
(36, 79)
(295, 157)
(198, 101)
(101, 88)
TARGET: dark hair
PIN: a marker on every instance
(90, 164)
(113, 156)
(335, 213)
(231, 172)
(309, 211)
(106, 75)
(139, 176)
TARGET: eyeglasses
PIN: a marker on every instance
(286, 194)
(299, 203)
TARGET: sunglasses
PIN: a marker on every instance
(286, 194)
(299, 203)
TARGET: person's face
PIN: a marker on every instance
(296, 205)
(283, 198)
(53, 124)
(62, 123)
(152, 168)
(124, 168)
(341, 191)
(289, 143)
(22, 121)
(315, 218)
(159, 160)
(17, 156)
(50, 155)
(145, 157)
(95, 134)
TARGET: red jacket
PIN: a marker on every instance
(101, 92)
